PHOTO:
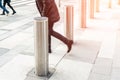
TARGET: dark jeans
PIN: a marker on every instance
(4, 9)
(8, 3)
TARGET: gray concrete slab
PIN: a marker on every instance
(72, 70)
(3, 51)
(102, 66)
(84, 50)
(35, 78)
(9, 55)
(115, 73)
(14, 40)
(108, 46)
(16, 68)
(95, 76)
(3, 32)
(116, 56)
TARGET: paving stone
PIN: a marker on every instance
(115, 73)
(3, 51)
(94, 76)
(15, 40)
(72, 70)
(116, 58)
(33, 75)
(27, 53)
(29, 30)
(84, 50)
(34, 78)
(10, 55)
(13, 25)
(108, 46)
(2, 31)
(102, 66)
(17, 68)
(116, 62)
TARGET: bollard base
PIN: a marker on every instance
(32, 76)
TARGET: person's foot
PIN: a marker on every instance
(2, 14)
(13, 13)
(70, 42)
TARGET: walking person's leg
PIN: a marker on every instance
(4, 3)
(49, 36)
(4, 9)
(59, 36)
(49, 43)
(8, 3)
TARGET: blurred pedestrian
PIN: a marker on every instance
(2, 7)
(8, 3)
(48, 8)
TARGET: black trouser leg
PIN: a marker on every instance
(11, 7)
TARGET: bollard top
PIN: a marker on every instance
(69, 5)
(39, 19)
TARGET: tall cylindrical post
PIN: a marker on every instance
(97, 5)
(91, 8)
(41, 46)
(110, 4)
(83, 13)
(69, 21)
(119, 2)
(59, 3)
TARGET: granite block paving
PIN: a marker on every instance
(115, 73)
(72, 70)
(3, 51)
(95, 76)
(84, 50)
(102, 66)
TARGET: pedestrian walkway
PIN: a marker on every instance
(94, 55)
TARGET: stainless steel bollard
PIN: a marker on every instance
(41, 46)
(59, 3)
(69, 22)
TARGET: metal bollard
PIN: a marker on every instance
(83, 13)
(110, 4)
(69, 22)
(118, 2)
(41, 46)
(97, 5)
(92, 2)
(59, 3)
